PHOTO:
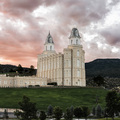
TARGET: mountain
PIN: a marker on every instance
(103, 67)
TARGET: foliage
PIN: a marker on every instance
(20, 69)
(5, 114)
(42, 115)
(112, 103)
(93, 110)
(72, 110)
(50, 110)
(85, 112)
(78, 112)
(57, 113)
(98, 111)
(68, 114)
(28, 109)
(99, 80)
(31, 70)
(17, 114)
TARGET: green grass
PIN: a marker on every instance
(63, 97)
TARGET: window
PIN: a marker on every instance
(46, 47)
(78, 73)
(78, 53)
(50, 47)
(78, 63)
(71, 42)
(76, 41)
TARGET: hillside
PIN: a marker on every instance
(43, 97)
(103, 67)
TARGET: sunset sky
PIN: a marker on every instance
(25, 24)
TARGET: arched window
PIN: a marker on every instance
(76, 41)
(78, 63)
(78, 73)
(78, 53)
(50, 47)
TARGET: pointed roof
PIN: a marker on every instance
(74, 33)
(49, 39)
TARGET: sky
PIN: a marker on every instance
(25, 24)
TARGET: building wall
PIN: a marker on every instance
(21, 81)
(66, 69)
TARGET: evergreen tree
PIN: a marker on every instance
(5, 114)
(68, 114)
(57, 113)
(78, 112)
(112, 103)
(42, 115)
(85, 112)
(50, 110)
(28, 109)
(99, 80)
(93, 110)
(20, 69)
(98, 111)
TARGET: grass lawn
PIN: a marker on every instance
(63, 97)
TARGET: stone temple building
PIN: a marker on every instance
(65, 69)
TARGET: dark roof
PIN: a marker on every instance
(49, 39)
(74, 33)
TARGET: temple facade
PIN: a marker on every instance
(67, 69)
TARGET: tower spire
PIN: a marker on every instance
(49, 43)
(74, 37)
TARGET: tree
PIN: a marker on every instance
(98, 111)
(17, 114)
(50, 110)
(93, 110)
(72, 110)
(28, 109)
(68, 114)
(20, 69)
(85, 112)
(42, 115)
(31, 70)
(57, 113)
(99, 80)
(78, 112)
(5, 114)
(112, 103)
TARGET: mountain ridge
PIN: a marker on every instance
(104, 67)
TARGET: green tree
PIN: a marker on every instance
(98, 111)
(31, 70)
(112, 103)
(99, 80)
(42, 115)
(20, 69)
(78, 112)
(28, 109)
(50, 110)
(17, 114)
(93, 110)
(85, 112)
(68, 114)
(5, 114)
(57, 113)
(72, 110)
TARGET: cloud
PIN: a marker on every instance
(23, 33)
